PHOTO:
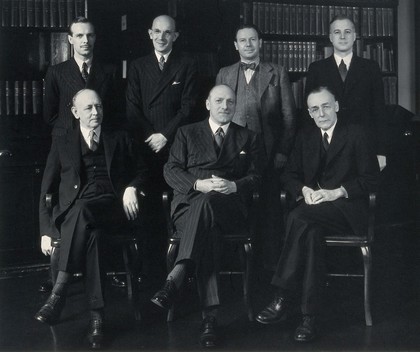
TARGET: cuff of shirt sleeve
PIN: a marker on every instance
(346, 195)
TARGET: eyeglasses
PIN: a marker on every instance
(158, 32)
(316, 110)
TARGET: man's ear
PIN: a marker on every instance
(150, 33)
(207, 105)
(176, 35)
(236, 45)
(70, 39)
(74, 112)
(337, 107)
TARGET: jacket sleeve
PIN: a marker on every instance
(52, 98)
(288, 108)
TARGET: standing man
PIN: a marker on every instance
(97, 177)
(161, 93)
(265, 105)
(64, 80)
(214, 166)
(329, 175)
(355, 81)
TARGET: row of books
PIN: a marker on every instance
(381, 54)
(40, 13)
(294, 56)
(298, 19)
(390, 91)
(19, 98)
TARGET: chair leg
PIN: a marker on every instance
(170, 261)
(367, 261)
(247, 278)
(132, 290)
(135, 269)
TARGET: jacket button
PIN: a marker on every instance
(69, 202)
(75, 186)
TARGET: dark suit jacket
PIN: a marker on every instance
(64, 80)
(350, 163)
(63, 172)
(277, 104)
(161, 101)
(193, 157)
(361, 98)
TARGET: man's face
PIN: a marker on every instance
(342, 36)
(221, 104)
(323, 109)
(163, 34)
(83, 39)
(88, 109)
(248, 44)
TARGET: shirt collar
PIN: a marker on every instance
(158, 55)
(257, 61)
(85, 133)
(80, 62)
(329, 132)
(214, 126)
(347, 59)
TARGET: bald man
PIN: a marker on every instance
(97, 178)
(161, 94)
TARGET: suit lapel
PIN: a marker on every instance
(171, 68)
(96, 76)
(353, 74)
(232, 144)
(337, 143)
(231, 78)
(74, 148)
(204, 142)
(313, 153)
(109, 148)
(265, 77)
(336, 80)
(75, 79)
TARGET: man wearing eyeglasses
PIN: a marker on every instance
(160, 96)
(330, 172)
(355, 81)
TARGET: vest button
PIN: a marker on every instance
(75, 186)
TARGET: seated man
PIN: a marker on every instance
(214, 165)
(97, 179)
(330, 173)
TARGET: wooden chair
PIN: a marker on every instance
(124, 238)
(243, 240)
(364, 242)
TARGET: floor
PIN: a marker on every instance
(396, 311)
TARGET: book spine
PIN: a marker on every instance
(26, 98)
(79, 8)
(8, 98)
(22, 13)
(70, 11)
(36, 97)
(30, 19)
(18, 98)
(53, 13)
(14, 15)
(38, 13)
(2, 95)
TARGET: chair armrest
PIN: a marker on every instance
(166, 204)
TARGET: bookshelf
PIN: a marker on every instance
(296, 33)
(33, 36)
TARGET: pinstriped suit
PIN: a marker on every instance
(201, 218)
(64, 80)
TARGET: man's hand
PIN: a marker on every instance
(131, 203)
(46, 247)
(321, 195)
(217, 184)
(381, 161)
(307, 194)
(156, 142)
(279, 160)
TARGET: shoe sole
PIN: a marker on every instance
(304, 340)
(159, 304)
(280, 320)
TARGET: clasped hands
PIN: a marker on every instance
(156, 142)
(321, 195)
(217, 184)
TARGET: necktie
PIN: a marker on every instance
(85, 73)
(325, 141)
(162, 62)
(343, 70)
(93, 144)
(219, 136)
(250, 66)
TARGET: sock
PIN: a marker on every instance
(177, 274)
(210, 312)
(60, 287)
(96, 314)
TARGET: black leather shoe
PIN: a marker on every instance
(95, 333)
(116, 282)
(45, 286)
(208, 337)
(306, 331)
(165, 297)
(275, 312)
(51, 310)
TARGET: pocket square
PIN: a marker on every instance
(242, 152)
(174, 83)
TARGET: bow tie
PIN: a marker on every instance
(250, 66)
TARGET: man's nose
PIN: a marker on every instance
(342, 35)
(321, 111)
(94, 110)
